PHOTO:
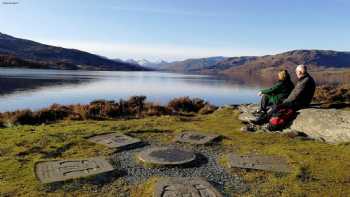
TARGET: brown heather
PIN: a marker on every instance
(134, 107)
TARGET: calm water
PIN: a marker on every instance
(34, 89)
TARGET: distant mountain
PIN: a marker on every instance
(191, 65)
(326, 66)
(231, 62)
(315, 59)
(148, 64)
(52, 57)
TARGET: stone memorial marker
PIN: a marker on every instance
(114, 140)
(61, 170)
(191, 187)
(166, 156)
(196, 138)
(259, 162)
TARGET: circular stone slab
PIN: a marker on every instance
(166, 156)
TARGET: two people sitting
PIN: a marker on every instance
(283, 95)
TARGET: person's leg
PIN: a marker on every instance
(264, 103)
(265, 117)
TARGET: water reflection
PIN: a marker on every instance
(26, 88)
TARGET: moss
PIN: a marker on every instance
(318, 168)
(145, 189)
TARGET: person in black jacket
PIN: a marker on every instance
(277, 93)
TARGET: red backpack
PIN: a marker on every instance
(280, 119)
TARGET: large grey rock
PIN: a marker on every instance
(248, 108)
(247, 112)
(328, 125)
(246, 117)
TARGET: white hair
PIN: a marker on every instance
(302, 68)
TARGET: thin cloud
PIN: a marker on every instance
(155, 52)
(164, 11)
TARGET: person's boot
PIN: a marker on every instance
(261, 119)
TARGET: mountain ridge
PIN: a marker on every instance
(315, 59)
(54, 57)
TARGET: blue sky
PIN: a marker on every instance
(180, 29)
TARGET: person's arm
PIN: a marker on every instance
(298, 89)
(273, 89)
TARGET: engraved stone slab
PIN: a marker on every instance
(196, 138)
(191, 187)
(54, 171)
(259, 162)
(114, 140)
(166, 156)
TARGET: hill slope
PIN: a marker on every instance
(315, 59)
(326, 66)
(57, 57)
(191, 65)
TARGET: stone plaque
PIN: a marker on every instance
(54, 171)
(166, 156)
(259, 162)
(196, 138)
(180, 187)
(114, 140)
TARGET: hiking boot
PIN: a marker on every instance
(261, 119)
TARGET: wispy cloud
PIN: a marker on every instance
(166, 11)
(154, 52)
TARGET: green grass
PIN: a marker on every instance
(318, 168)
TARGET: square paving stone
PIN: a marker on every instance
(178, 186)
(114, 140)
(196, 138)
(259, 162)
(61, 170)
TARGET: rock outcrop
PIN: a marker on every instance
(328, 125)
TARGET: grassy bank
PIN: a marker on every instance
(318, 168)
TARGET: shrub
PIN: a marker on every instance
(2, 121)
(185, 104)
(23, 117)
(79, 112)
(98, 109)
(53, 113)
(332, 94)
(157, 110)
(102, 109)
(136, 104)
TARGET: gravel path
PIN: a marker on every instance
(205, 166)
